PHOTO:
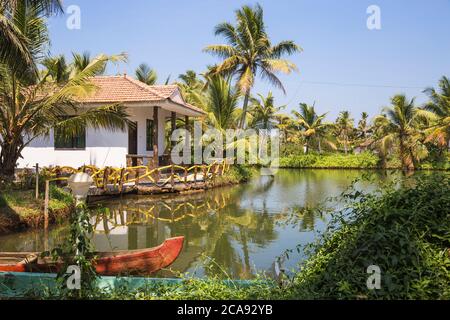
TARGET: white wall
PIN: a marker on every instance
(103, 148)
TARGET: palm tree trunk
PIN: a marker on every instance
(403, 155)
(306, 146)
(320, 147)
(244, 110)
(8, 158)
(345, 145)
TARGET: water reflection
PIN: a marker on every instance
(229, 231)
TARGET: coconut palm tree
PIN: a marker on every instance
(221, 103)
(363, 128)
(249, 52)
(14, 50)
(81, 61)
(32, 104)
(192, 88)
(313, 126)
(57, 68)
(146, 74)
(263, 111)
(344, 128)
(286, 125)
(400, 126)
(439, 107)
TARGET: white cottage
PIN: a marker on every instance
(149, 107)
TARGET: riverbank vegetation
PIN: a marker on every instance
(402, 229)
(20, 210)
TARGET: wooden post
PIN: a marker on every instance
(187, 140)
(105, 178)
(37, 180)
(195, 174)
(172, 178)
(173, 123)
(46, 202)
(213, 173)
(155, 136)
(122, 173)
(137, 177)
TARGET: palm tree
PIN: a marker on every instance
(14, 50)
(81, 61)
(57, 68)
(382, 140)
(146, 74)
(221, 103)
(249, 52)
(363, 126)
(313, 126)
(286, 125)
(192, 88)
(32, 104)
(400, 126)
(344, 127)
(439, 106)
(263, 111)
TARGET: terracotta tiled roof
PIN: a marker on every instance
(122, 89)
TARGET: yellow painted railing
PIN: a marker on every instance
(161, 176)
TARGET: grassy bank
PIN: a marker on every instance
(365, 160)
(402, 230)
(331, 161)
(19, 210)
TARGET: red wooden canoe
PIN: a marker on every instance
(143, 261)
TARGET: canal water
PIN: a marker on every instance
(232, 232)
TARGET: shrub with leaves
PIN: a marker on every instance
(405, 231)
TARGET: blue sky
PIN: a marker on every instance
(344, 65)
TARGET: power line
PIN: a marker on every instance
(359, 85)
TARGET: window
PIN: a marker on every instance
(75, 142)
(149, 133)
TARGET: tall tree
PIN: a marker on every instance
(439, 106)
(57, 68)
(82, 60)
(313, 126)
(14, 48)
(264, 111)
(400, 126)
(221, 103)
(344, 127)
(146, 74)
(363, 126)
(286, 125)
(192, 88)
(32, 104)
(249, 51)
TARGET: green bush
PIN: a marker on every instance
(60, 199)
(364, 160)
(238, 174)
(403, 231)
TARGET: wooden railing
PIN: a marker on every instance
(118, 178)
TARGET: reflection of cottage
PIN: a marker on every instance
(149, 107)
